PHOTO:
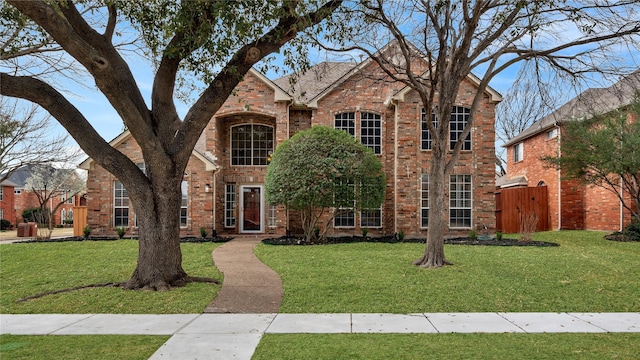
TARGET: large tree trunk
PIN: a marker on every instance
(159, 256)
(434, 253)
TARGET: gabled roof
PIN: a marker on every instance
(314, 84)
(279, 93)
(200, 152)
(594, 101)
(308, 85)
(20, 176)
(8, 183)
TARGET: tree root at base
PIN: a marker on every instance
(189, 279)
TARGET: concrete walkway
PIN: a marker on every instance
(249, 286)
(236, 336)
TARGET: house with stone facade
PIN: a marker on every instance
(571, 206)
(223, 188)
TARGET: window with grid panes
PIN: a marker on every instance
(346, 121)
(371, 131)
(424, 201)
(251, 144)
(460, 201)
(426, 137)
(229, 206)
(120, 205)
(184, 188)
(459, 119)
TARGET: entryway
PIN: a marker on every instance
(251, 208)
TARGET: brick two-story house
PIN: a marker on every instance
(15, 198)
(223, 188)
(570, 204)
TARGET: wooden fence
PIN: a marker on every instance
(514, 204)
(79, 220)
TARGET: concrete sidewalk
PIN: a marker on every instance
(236, 336)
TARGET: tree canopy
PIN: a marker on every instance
(217, 41)
(323, 168)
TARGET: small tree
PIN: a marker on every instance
(52, 187)
(604, 151)
(321, 169)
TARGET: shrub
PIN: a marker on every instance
(473, 234)
(121, 231)
(59, 226)
(86, 231)
(400, 235)
(203, 232)
(33, 215)
(5, 224)
(365, 231)
(498, 235)
(68, 221)
(632, 231)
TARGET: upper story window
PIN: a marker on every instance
(1, 193)
(251, 144)
(553, 133)
(371, 131)
(17, 191)
(518, 152)
(459, 120)
(346, 121)
(427, 139)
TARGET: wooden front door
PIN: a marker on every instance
(251, 209)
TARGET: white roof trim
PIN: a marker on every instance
(279, 94)
(88, 164)
(495, 96)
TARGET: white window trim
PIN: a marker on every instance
(234, 204)
(518, 152)
(470, 208)
(273, 141)
(367, 226)
(422, 191)
(184, 203)
(376, 117)
(453, 144)
(120, 206)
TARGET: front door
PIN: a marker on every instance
(251, 212)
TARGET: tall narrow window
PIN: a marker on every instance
(120, 205)
(424, 201)
(230, 206)
(460, 201)
(70, 215)
(184, 188)
(271, 216)
(345, 197)
(426, 137)
(518, 152)
(63, 216)
(1, 193)
(459, 119)
(371, 131)
(251, 144)
(346, 121)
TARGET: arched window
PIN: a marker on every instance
(541, 183)
(251, 144)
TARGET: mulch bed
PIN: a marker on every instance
(392, 239)
(620, 237)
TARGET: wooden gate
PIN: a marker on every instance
(79, 220)
(514, 204)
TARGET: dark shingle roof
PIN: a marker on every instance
(589, 103)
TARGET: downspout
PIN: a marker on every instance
(395, 167)
(559, 180)
(621, 206)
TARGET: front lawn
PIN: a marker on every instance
(448, 346)
(32, 268)
(584, 274)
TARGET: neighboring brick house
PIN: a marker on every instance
(15, 199)
(224, 181)
(571, 205)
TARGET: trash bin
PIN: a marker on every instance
(33, 229)
(23, 230)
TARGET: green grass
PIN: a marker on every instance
(68, 347)
(448, 346)
(32, 268)
(585, 274)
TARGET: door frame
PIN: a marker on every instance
(241, 208)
